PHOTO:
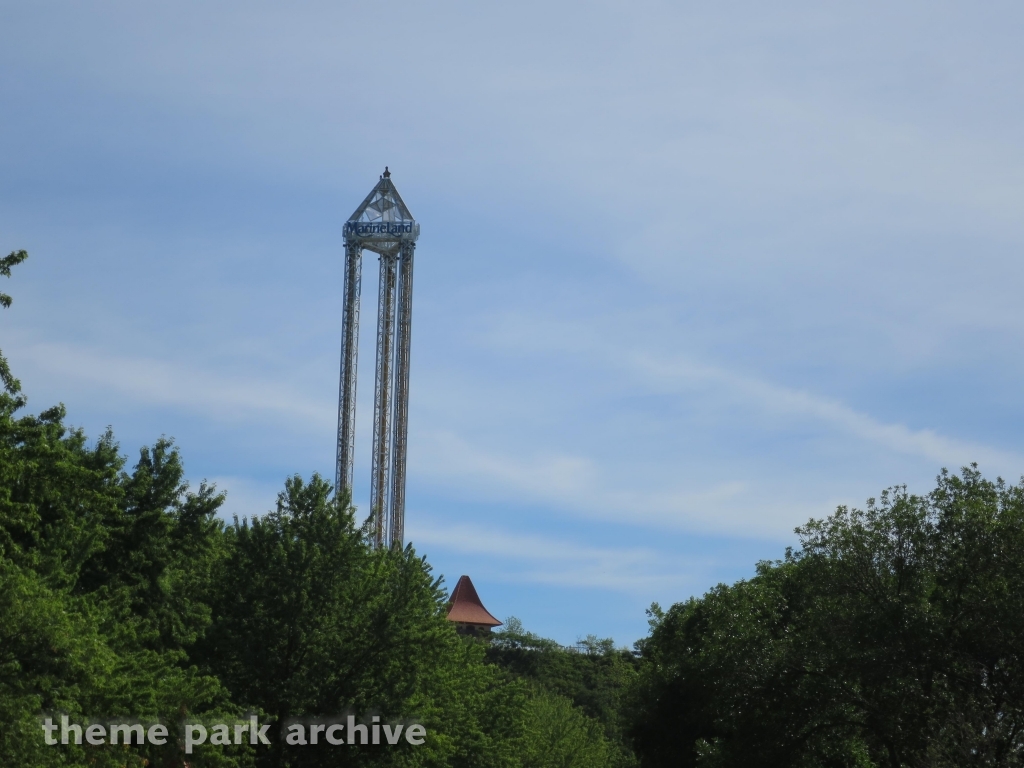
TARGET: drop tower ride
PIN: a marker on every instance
(381, 224)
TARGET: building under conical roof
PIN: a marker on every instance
(466, 610)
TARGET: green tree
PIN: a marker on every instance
(593, 676)
(893, 637)
(10, 384)
(310, 622)
(95, 614)
(558, 735)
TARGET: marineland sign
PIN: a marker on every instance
(382, 230)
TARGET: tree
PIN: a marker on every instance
(559, 735)
(96, 610)
(10, 384)
(311, 622)
(893, 637)
(592, 678)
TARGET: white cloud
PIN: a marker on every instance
(669, 372)
(580, 486)
(546, 560)
(160, 382)
(494, 459)
(246, 498)
(896, 437)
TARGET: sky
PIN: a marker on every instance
(689, 274)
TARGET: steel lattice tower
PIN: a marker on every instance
(384, 225)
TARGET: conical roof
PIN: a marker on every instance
(382, 222)
(466, 607)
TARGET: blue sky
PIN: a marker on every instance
(688, 275)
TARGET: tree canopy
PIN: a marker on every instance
(9, 384)
(892, 637)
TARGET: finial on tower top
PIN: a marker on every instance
(387, 173)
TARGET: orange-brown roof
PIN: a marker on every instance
(466, 608)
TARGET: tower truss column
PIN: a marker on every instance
(349, 361)
(382, 403)
(403, 342)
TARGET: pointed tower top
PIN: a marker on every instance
(383, 221)
(466, 607)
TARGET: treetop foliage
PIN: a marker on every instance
(892, 637)
(10, 260)
(10, 384)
